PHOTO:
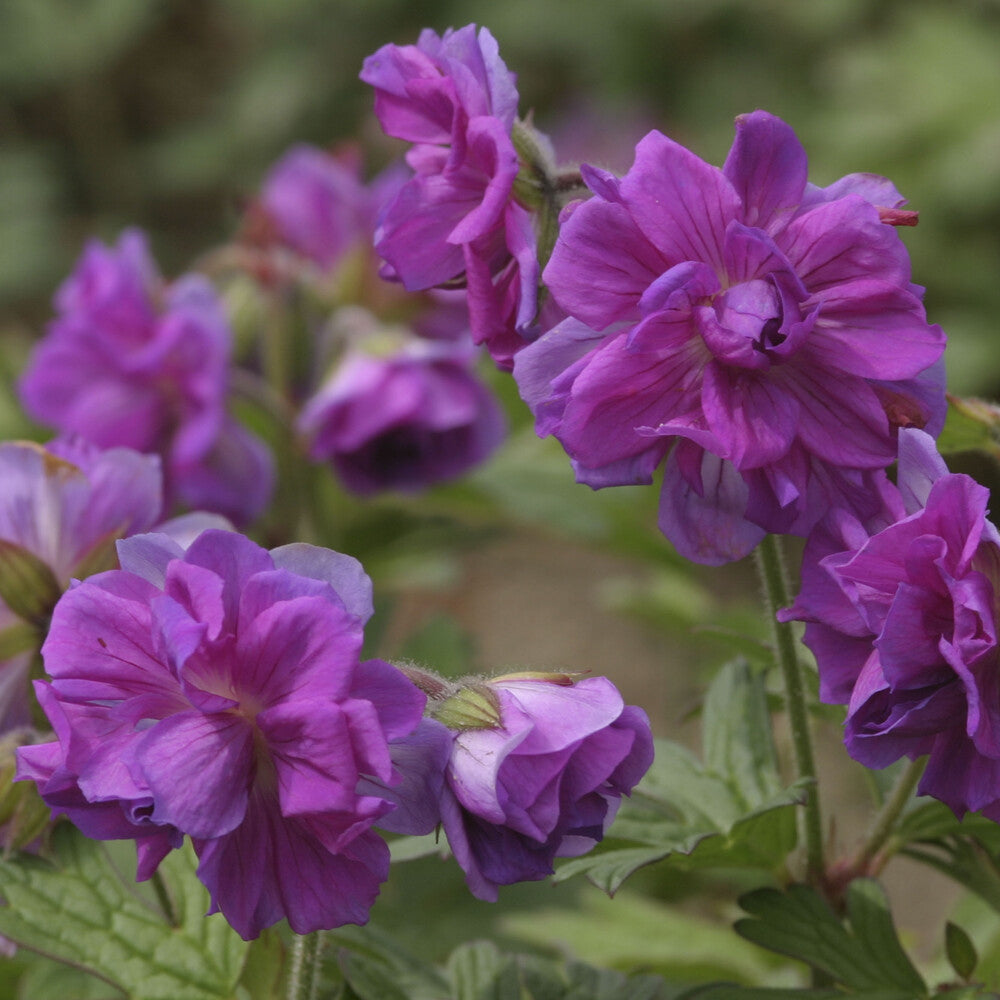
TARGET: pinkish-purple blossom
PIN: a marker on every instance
(65, 503)
(402, 413)
(900, 612)
(546, 782)
(457, 220)
(218, 692)
(132, 362)
(317, 204)
(757, 335)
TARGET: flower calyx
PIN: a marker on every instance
(472, 706)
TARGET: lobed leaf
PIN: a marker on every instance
(800, 924)
(81, 911)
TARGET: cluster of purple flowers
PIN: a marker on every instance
(131, 362)
(217, 691)
(760, 340)
(401, 407)
(756, 337)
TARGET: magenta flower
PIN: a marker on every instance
(544, 782)
(457, 219)
(218, 693)
(130, 362)
(318, 205)
(758, 335)
(401, 413)
(63, 504)
(901, 615)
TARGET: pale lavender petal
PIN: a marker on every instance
(707, 526)
(344, 574)
(920, 466)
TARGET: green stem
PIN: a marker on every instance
(770, 567)
(163, 898)
(885, 822)
(304, 967)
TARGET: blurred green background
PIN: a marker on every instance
(165, 113)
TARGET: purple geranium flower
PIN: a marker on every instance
(218, 693)
(457, 218)
(130, 362)
(402, 413)
(901, 614)
(757, 334)
(544, 781)
(315, 202)
(64, 504)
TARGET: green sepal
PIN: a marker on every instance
(21, 637)
(23, 815)
(474, 706)
(961, 952)
(27, 585)
(970, 425)
(101, 556)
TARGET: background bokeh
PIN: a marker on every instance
(166, 114)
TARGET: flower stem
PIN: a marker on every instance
(771, 569)
(304, 967)
(885, 822)
(163, 898)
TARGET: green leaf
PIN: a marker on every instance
(966, 861)
(960, 950)
(46, 980)
(588, 983)
(377, 968)
(727, 991)
(478, 971)
(800, 924)
(872, 925)
(263, 967)
(634, 932)
(929, 820)
(82, 912)
(736, 734)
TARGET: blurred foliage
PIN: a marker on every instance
(165, 113)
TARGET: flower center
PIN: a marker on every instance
(752, 311)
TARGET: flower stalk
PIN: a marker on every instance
(771, 569)
(884, 824)
(304, 966)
